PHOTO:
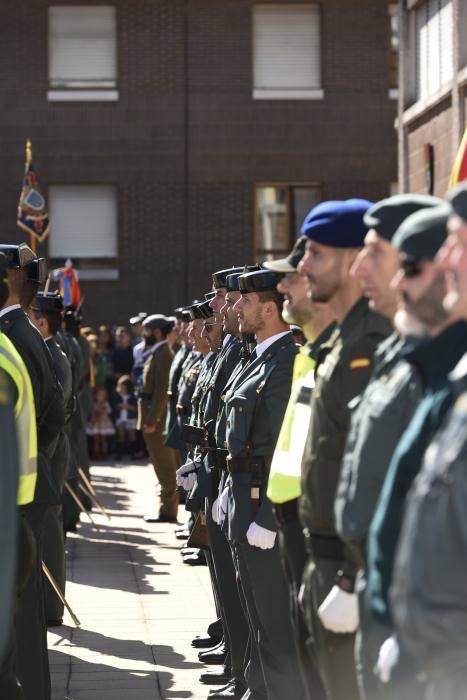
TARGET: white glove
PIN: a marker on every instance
(258, 536)
(339, 611)
(189, 481)
(387, 658)
(214, 511)
(222, 505)
(183, 471)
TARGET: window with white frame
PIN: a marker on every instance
(280, 210)
(82, 52)
(287, 51)
(84, 228)
(434, 46)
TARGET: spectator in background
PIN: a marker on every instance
(122, 356)
(99, 361)
(125, 416)
(106, 342)
(100, 426)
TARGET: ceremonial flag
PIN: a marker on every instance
(33, 216)
(69, 285)
(459, 171)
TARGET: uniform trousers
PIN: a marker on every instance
(234, 621)
(293, 554)
(54, 557)
(266, 597)
(164, 461)
(335, 652)
(9, 684)
(31, 629)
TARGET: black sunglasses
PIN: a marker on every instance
(411, 267)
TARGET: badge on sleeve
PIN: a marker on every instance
(360, 363)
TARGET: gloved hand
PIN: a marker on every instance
(260, 537)
(214, 511)
(339, 611)
(186, 475)
(222, 505)
(387, 658)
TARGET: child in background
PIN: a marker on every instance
(127, 409)
(100, 426)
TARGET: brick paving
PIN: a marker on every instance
(138, 604)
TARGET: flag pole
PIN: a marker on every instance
(33, 239)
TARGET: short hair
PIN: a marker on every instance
(274, 296)
(122, 329)
(54, 320)
(126, 381)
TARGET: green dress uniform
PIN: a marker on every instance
(9, 477)
(342, 372)
(33, 666)
(54, 536)
(254, 406)
(428, 590)
(172, 427)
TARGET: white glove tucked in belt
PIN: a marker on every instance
(186, 476)
(214, 511)
(222, 502)
(387, 658)
(260, 537)
(339, 611)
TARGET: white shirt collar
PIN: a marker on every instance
(265, 344)
(7, 309)
(206, 358)
(226, 340)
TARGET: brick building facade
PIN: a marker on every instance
(433, 92)
(186, 142)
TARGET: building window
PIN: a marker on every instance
(286, 52)
(82, 53)
(393, 50)
(434, 48)
(280, 210)
(84, 228)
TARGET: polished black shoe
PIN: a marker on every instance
(216, 677)
(205, 641)
(234, 690)
(182, 534)
(213, 656)
(195, 559)
(159, 519)
(55, 623)
(188, 551)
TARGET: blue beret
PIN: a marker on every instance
(337, 223)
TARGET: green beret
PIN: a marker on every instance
(423, 233)
(387, 215)
(290, 263)
(458, 200)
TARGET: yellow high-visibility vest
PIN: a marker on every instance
(284, 476)
(25, 414)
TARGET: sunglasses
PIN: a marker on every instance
(411, 267)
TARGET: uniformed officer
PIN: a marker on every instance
(182, 320)
(382, 413)
(152, 407)
(25, 272)
(418, 239)
(46, 313)
(427, 598)
(316, 321)
(336, 232)
(250, 418)
(19, 474)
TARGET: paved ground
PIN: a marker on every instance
(138, 604)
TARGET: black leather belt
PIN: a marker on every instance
(286, 512)
(323, 546)
(245, 464)
(219, 458)
(193, 435)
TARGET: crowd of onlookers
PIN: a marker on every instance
(116, 365)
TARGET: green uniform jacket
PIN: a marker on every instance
(152, 404)
(9, 470)
(343, 370)
(47, 398)
(254, 408)
(434, 360)
(61, 456)
(379, 417)
(172, 392)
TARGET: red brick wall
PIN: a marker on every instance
(169, 243)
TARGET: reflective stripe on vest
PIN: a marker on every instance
(25, 414)
(284, 476)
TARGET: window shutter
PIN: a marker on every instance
(84, 221)
(286, 48)
(82, 46)
(446, 31)
(434, 49)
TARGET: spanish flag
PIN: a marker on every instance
(33, 216)
(459, 171)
